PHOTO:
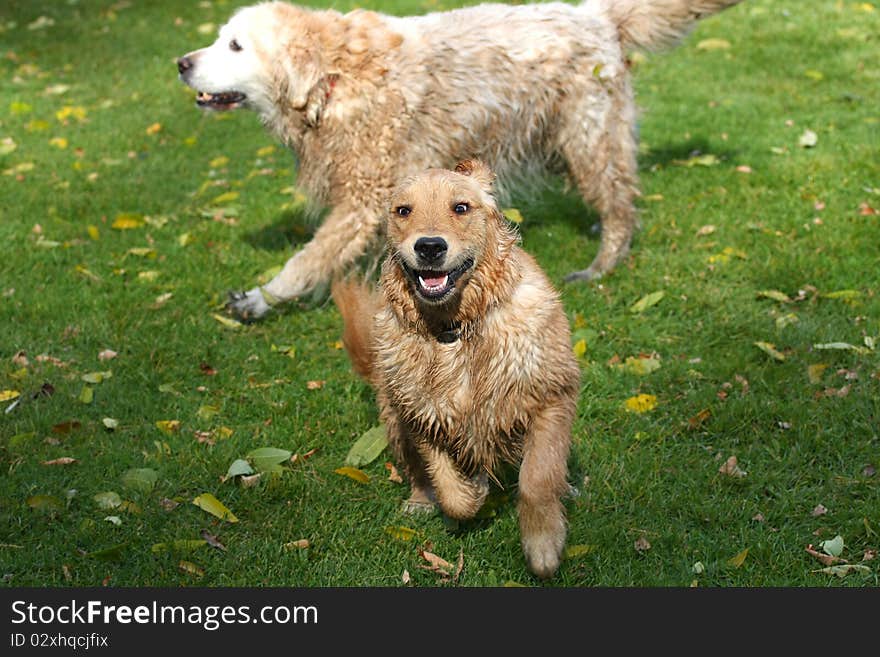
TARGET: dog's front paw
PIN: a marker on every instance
(248, 305)
(544, 552)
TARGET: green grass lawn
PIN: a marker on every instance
(126, 214)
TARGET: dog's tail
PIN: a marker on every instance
(357, 303)
(655, 24)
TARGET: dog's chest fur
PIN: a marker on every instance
(474, 397)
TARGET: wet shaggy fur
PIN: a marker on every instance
(469, 352)
(364, 99)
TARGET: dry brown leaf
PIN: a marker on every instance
(758, 517)
(744, 382)
(642, 544)
(250, 480)
(107, 354)
(20, 359)
(300, 544)
(405, 578)
(212, 540)
(393, 475)
(436, 563)
(168, 504)
(205, 437)
(699, 419)
(315, 385)
(45, 358)
(826, 559)
(64, 460)
(207, 370)
(731, 468)
(819, 510)
(869, 555)
(460, 565)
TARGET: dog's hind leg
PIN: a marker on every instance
(344, 236)
(598, 142)
(542, 484)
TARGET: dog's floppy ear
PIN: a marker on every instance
(479, 171)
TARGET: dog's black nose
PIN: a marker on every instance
(430, 249)
(184, 64)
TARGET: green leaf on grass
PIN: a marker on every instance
(640, 366)
(842, 570)
(739, 559)
(239, 467)
(180, 545)
(48, 503)
(841, 346)
(770, 349)
(646, 302)
(815, 371)
(575, 551)
(206, 412)
(353, 473)
(842, 294)
(401, 533)
(266, 459)
(713, 44)
(228, 322)
(140, 479)
(112, 553)
(215, 507)
(108, 500)
(776, 295)
(368, 447)
(833, 546)
(86, 395)
(20, 440)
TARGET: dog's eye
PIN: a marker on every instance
(234, 46)
(402, 211)
(461, 208)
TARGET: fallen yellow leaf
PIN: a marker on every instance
(353, 473)
(6, 395)
(641, 403)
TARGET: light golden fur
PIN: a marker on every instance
(364, 99)
(503, 389)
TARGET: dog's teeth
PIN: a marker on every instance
(433, 284)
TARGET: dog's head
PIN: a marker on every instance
(259, 55)
(442, 225)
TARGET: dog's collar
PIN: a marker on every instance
(450, 335)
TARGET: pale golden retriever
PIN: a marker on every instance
(364, 99)
(468, 348)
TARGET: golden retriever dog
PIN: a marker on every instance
(468, 349)
(364, 99)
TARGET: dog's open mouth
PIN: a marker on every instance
(223, 101)
(435, 285)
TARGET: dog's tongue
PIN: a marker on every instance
(430, 281)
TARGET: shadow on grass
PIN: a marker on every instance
(666, 154)
(289, 230)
